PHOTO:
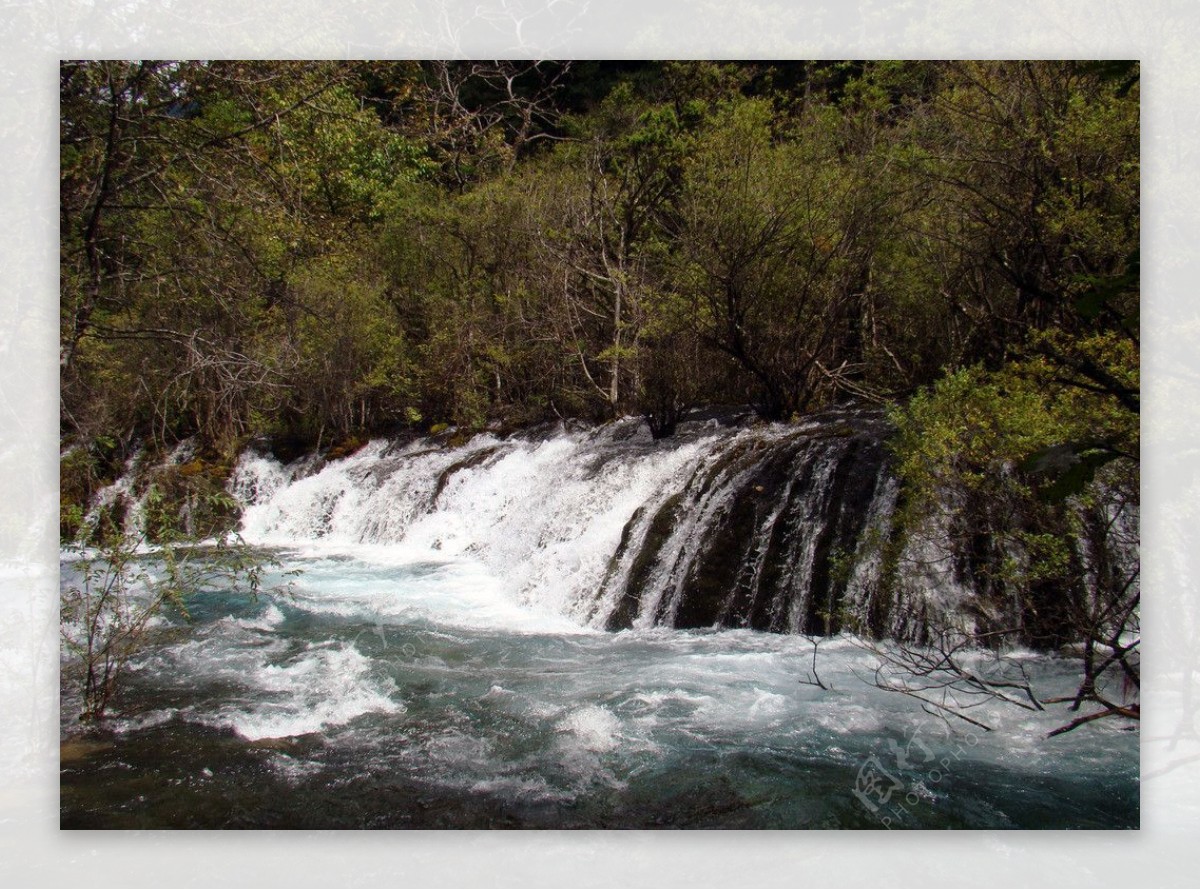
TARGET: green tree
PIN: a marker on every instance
(191, 192)
(1029, 485)
(1036, 169)
(776, 241)
(350, 365)
(614, 191)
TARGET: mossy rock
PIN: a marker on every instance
(192, 468)
(345, 447)
(645, 561)
(466, 463)
(109, 524)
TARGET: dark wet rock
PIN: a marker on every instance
(466, 463)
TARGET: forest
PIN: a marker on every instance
(322, 250)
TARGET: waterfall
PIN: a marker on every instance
(771, 527)
(786, 528)
(521, 625)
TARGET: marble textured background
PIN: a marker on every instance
(36, 33)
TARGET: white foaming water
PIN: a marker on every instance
(383, 587)
(542, 519)
(325, 687)
(684, 544)
(418, 674)
(270, 618)
(593, 728)
(867, 571)
(278, 691)
(120, 489)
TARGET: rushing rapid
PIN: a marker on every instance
(567, 630)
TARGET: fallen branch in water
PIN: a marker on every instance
(814, 679)
(1132, 711)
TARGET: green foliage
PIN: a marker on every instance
(352, 363)
(344, 161)
(777, 255)
(188, 501)
(1015, 460)
(79, 477)
(328, 249)
(965, 430)
(193, 195)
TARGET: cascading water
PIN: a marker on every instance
(566, 629)
(730, 528)
(542, 516)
